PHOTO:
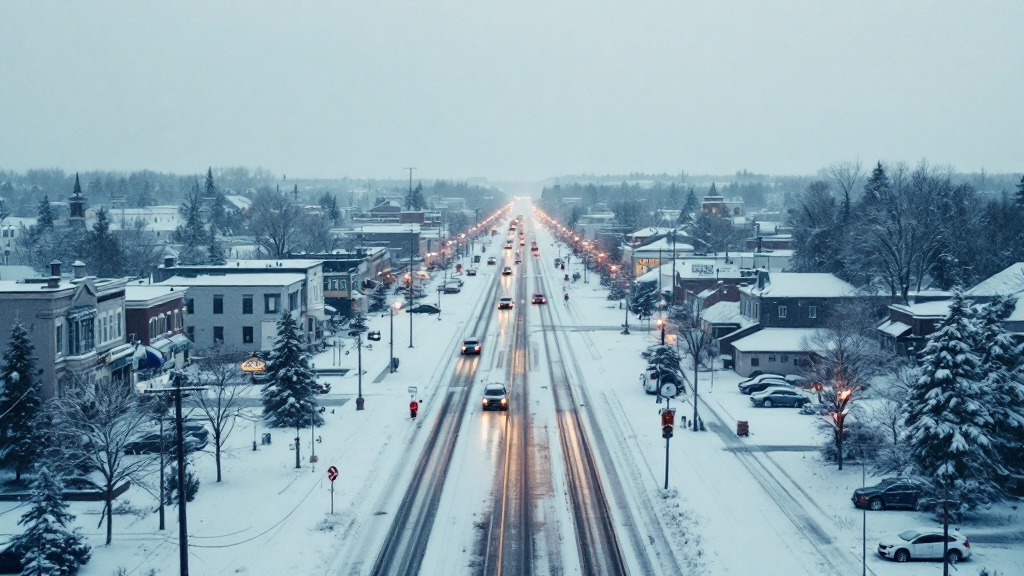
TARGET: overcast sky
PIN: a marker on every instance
(510, 90)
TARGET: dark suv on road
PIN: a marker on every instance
(889, 493)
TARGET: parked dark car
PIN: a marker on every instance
(322, 387)
(150, 443)
(423, 309)
(10, 561)
(889, 493)
(779, 396)
(452, 289)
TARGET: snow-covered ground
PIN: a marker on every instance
(766, 504)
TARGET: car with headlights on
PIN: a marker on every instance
(779, 396)
(506, 271)
(492, 260)
(925, 544)
(495, 397)
(471, 345)
(504, 303)
(539, 298)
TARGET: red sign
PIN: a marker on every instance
(332, 473)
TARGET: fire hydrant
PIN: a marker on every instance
(414, 406)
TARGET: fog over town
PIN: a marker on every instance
(698, 288)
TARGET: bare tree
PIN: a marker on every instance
(844, 358)
(316, 234)
(219, 403)
(140, 250)
(275, 222)
(691, 337)
(845, 176)
(94, 422)
(888, 413)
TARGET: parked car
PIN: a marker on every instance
(322, 387)
(814, 409)
(495, 396)
(924, 544)
(492, 260)
(539, 298)
(753, 379)
(471, 345)
(558, 262)
(423, 309)
(150, 443)
(10, 561)
(506, 271)
(778, 396)
(889, 493)
(471, 272)
(755, 387)
(504, 303)
(452, 289)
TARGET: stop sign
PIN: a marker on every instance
(332, 473)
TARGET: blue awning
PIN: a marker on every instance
(148, 358)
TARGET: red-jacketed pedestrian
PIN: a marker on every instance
(414, 407)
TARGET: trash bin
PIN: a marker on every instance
(266, 438)
(742, 428)
(394, 363)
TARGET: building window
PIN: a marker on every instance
(60, 339)
(757, 311)
(342, 284)
(177, 320)
(782, 311)
(119, 333)
(271, 303)
(190, 306)
(247, 304)
(293, 300)
(81, 336)
(755, 361)
(771, 358)
(191, 333)
(218, 334)
(218, 304)
(784, 358)
(246, 334)
(812, 311)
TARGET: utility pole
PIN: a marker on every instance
(359, 354)
(412, 296)
(176, 392)
(673, 266)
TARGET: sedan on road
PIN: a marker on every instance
(924, 544)
(506, 271)
(492, 260)
(539, 298)
(504, 303)
(778, 396)
(471, 345)
(495, 396)
(889, 493)
(424, 309)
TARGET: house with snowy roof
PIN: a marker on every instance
(906, 330)
(1010, 283)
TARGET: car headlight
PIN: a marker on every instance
(504, 400)
(484, 401)
(463, 348)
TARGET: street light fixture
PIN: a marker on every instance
(661, 325)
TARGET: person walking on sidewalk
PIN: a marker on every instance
(414, 407)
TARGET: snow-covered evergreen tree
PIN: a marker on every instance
(48, 547)
(289, 398)
(1000, 363)
(192, 234)
(214, 250)
(379, 299)
(359, 322)
(20, 403)
(616, 291)
(949, 422)
(644, 299)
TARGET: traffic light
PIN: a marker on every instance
(668, 418)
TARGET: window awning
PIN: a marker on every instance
(180, 342)
(330, 309)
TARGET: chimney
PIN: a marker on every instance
(79, 268)
(169, 262)
(55, 268)
(762, 279)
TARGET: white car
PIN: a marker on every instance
(760, 378)
(924, 544)
(506, 271)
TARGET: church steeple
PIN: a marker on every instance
(77, 205)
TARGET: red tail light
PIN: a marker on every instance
(966, 543)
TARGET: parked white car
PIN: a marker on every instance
(924, 544)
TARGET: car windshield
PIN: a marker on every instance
(909, 535)
(471, 341)
(494, 390)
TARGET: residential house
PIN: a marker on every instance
(906, 330)
(774, 351)
(77, 325)
(349, 275)
(1010, 283)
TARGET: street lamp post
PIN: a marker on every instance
(393, 308)
(412, 296)
(625, 329)
(359, 377)
(661, 324)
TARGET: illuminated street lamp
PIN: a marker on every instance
(394, 308)
(661, 325)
